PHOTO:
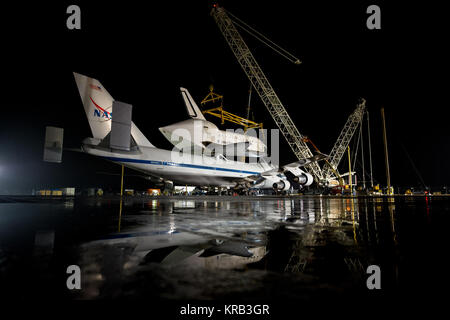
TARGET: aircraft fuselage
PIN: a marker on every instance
(198, 170)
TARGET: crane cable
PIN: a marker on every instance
(355, 153)
(413, 165)
(284, 53)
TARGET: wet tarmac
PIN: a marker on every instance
(305, 249)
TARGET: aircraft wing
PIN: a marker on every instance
(234, 149)
(303, 162)
(292, 167)
(223, 148)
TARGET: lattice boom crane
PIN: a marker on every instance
(343, 140)
(265, 90)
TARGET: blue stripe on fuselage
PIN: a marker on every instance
(172, 164)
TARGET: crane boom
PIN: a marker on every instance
(265, 90)
(339, 148)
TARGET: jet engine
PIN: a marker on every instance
(294, 177)
(274, 182)
(282, 185)
(300, 179)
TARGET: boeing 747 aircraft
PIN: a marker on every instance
(191, 169)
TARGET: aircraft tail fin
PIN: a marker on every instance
(97, 104)
(192, 108)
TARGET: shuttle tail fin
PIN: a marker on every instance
(192, 108)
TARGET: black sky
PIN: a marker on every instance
(142, 54)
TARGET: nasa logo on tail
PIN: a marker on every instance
(93, 86)
(99, 112)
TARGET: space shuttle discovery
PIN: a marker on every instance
(206, 135)
(116, 138)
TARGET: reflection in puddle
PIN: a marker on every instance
(312, 236)
(204, 249)
(184, 204)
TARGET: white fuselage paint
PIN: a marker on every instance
(194, 170)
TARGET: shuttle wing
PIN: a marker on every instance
(238, 149)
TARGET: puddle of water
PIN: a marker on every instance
(217, 248)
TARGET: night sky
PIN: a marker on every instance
(142, 54)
